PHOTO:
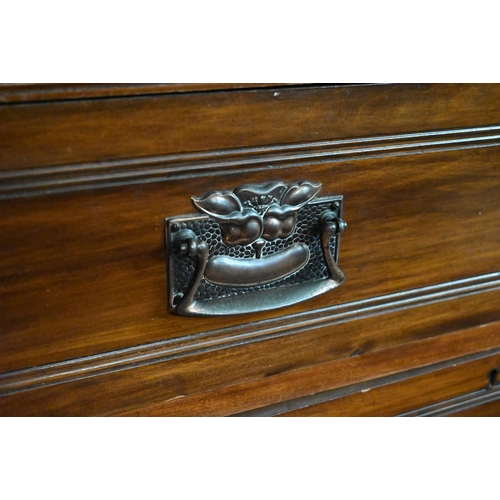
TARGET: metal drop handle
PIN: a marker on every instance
(258, 247)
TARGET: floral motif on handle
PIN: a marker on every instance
(254, 211)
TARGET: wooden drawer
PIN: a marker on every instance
(87, 180)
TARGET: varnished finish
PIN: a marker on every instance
(104, 259)
(161, 168)
(41, 134)
(397, 398)
(317, 324)
(85, 185)
(29, 92)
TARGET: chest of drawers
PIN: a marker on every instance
(89, 173)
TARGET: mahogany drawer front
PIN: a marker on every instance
(86, 184)
(91, 265)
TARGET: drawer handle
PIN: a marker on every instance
(259, 247)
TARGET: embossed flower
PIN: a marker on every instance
(256, 211)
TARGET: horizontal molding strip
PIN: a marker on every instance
(159, 352)
(17, 183)
(454, 405)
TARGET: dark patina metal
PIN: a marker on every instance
(259, 247)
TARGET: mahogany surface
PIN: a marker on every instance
(89, 173)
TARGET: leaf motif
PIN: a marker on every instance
(299, 194)
(219, 205)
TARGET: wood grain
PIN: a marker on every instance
(485, 398)
(224, 338)
(250, 376)
(269, 395)
(30, 92)
(94, 278)
(88, 174)
(271, 159)
(395, 398)
(42, 134)
(131, 357)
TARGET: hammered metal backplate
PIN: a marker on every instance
(259, 247)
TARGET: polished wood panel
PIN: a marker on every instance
(241, 161)
(251, 375)
(279, 392)
(29, 92)
(482, 400)
(85, 185)
(41, 134)
(402, 396)
(94, 278)
(323, 319)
